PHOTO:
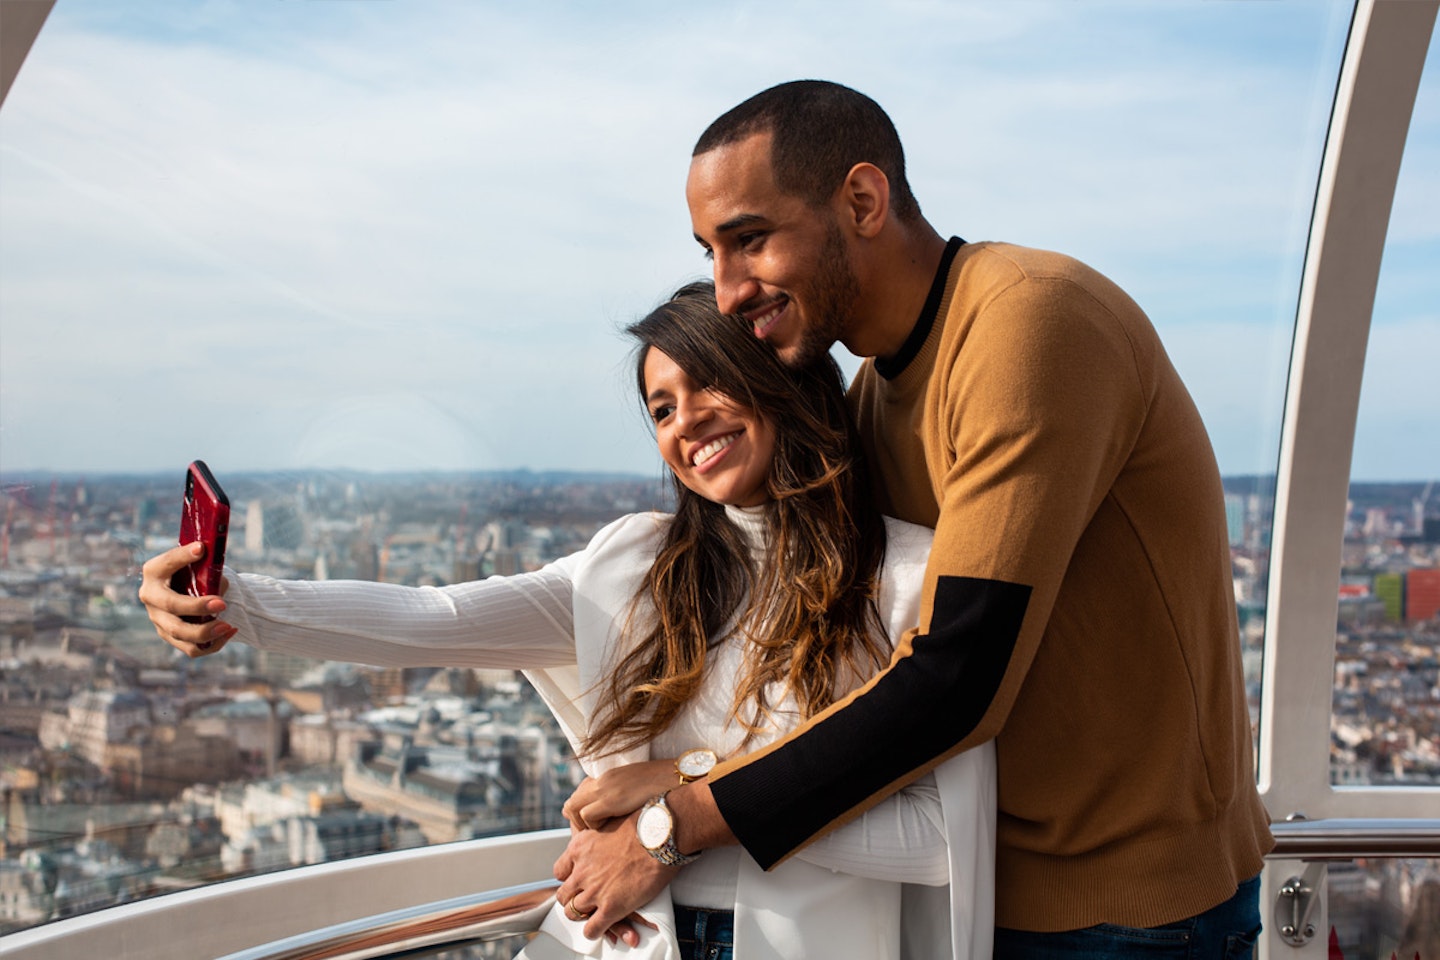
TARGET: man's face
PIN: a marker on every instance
(780, 263)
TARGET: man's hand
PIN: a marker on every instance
(618, 792)
(605, 875)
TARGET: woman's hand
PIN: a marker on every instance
(618, 792)
(166, 607)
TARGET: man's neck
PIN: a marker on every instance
(894, 288)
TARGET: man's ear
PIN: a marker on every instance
(864, 199)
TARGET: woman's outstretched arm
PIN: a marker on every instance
(518, 622)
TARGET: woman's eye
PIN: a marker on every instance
(661, 412)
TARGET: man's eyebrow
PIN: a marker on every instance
(738, 221)
(734, 223)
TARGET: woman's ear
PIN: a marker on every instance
(864, 199)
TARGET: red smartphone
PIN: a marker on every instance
(204, 516)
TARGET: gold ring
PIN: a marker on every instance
(574, 914)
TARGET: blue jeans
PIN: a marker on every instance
(1228, 931)
(705, 934)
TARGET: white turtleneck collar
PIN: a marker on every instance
(753, 523)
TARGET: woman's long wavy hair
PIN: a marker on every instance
(808, 613)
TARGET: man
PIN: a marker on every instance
(1079, 606)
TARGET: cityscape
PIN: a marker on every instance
(128, 770)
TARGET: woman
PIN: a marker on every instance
(772, 590)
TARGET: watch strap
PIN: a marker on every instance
(667, 853)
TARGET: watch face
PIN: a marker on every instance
(695, 763)
(653, 827)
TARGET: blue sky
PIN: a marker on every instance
(389, 234)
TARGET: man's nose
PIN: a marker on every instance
(734, 286)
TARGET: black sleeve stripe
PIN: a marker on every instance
(859, 752)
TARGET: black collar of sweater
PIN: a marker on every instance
(891, 367)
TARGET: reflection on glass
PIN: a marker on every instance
(1383, 909)
(1250, 515)
(1385, 724)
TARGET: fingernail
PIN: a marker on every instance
(224, 632)
(215, 606)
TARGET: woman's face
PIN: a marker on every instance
(719, 449)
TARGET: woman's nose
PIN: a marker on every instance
(691, 413)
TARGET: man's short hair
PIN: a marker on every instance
(820, 130)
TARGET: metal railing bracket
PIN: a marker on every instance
(1295, 902)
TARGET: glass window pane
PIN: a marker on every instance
(1386, 720)
(368, 261)
(1381, 909)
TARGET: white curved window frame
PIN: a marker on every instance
(1375, 96)
(1381, 73)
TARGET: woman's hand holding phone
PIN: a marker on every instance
(168, 608)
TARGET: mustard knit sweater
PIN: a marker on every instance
(1078, 608)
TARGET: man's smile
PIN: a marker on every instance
(763, 318)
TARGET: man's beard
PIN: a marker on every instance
(830, 301)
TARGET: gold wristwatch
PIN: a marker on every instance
(694, 764)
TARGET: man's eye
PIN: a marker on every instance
(746, 240)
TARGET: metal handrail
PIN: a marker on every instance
(517, 911)
(492, 915)
(1347, 839)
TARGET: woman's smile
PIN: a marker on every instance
(712, 449)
